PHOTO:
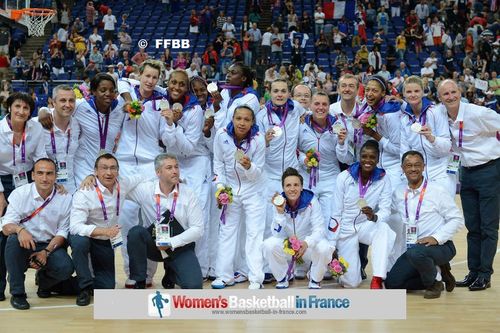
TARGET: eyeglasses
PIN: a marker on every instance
(302, 95)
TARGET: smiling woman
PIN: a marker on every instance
(21, 144)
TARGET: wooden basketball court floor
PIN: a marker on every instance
(458, 311)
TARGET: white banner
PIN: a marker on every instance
(250, 304)
(481, 84)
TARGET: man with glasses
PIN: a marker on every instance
(94, 226)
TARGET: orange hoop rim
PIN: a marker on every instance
(16, 14)
(38, 11)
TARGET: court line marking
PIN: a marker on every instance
(48, 307)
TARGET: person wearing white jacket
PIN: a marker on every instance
(239, 157)
(317, 133)
(388, 129)
(139, 143)
(99, 121)
(348, 109)
(361, 211)
(424, 128)
(297, 213)
(237, 92)
(279, 120)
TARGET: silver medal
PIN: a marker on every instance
(277, 131)
(278, 200)
(362, 203)
(212, 87)
(416, 127)
(164, 104)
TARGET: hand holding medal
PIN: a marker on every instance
(279, 202)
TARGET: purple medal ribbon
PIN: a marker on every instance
(223, 215)
(283, 118)
(363, 188)
(313, 177)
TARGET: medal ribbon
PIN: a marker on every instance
(363, 188)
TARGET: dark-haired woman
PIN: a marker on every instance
(99, 121)
(21, 144)
(362, 206)
(388, 128)
(239, 158)
(238, 91)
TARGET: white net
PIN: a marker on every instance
(36, 21)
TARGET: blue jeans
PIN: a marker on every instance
(184, 263)
(57, 269)
(102, 257)
(416, 268)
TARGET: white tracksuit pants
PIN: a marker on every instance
(252, 207)
(278, 260)
(381, 239)
(197, 172)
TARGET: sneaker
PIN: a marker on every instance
(268, 278)
(376, 283)
(282, 284)
(220, 284)
(19, 302)
(129, 284)
(314, 285)
(83, 298)
(255, 285)
(434, 291)
(240, 277)
(448, 278)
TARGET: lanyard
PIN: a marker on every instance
(103, 205)
(460, 133)
(23, 145)
(283, 118)
(363, 188)
(419, 205)
(39, 209)
(53, 141)
(172, 209)
(317, 128)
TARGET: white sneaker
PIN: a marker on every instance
(254, 286)
(314, 285)
(129, 284)
(282, 285)
(240, 277)
(220, 284)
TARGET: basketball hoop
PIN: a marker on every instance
(34, 18)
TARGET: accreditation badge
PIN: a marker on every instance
(411, 235)
(62, 172)
(162, 235)
(20, 179)
(453, 163)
